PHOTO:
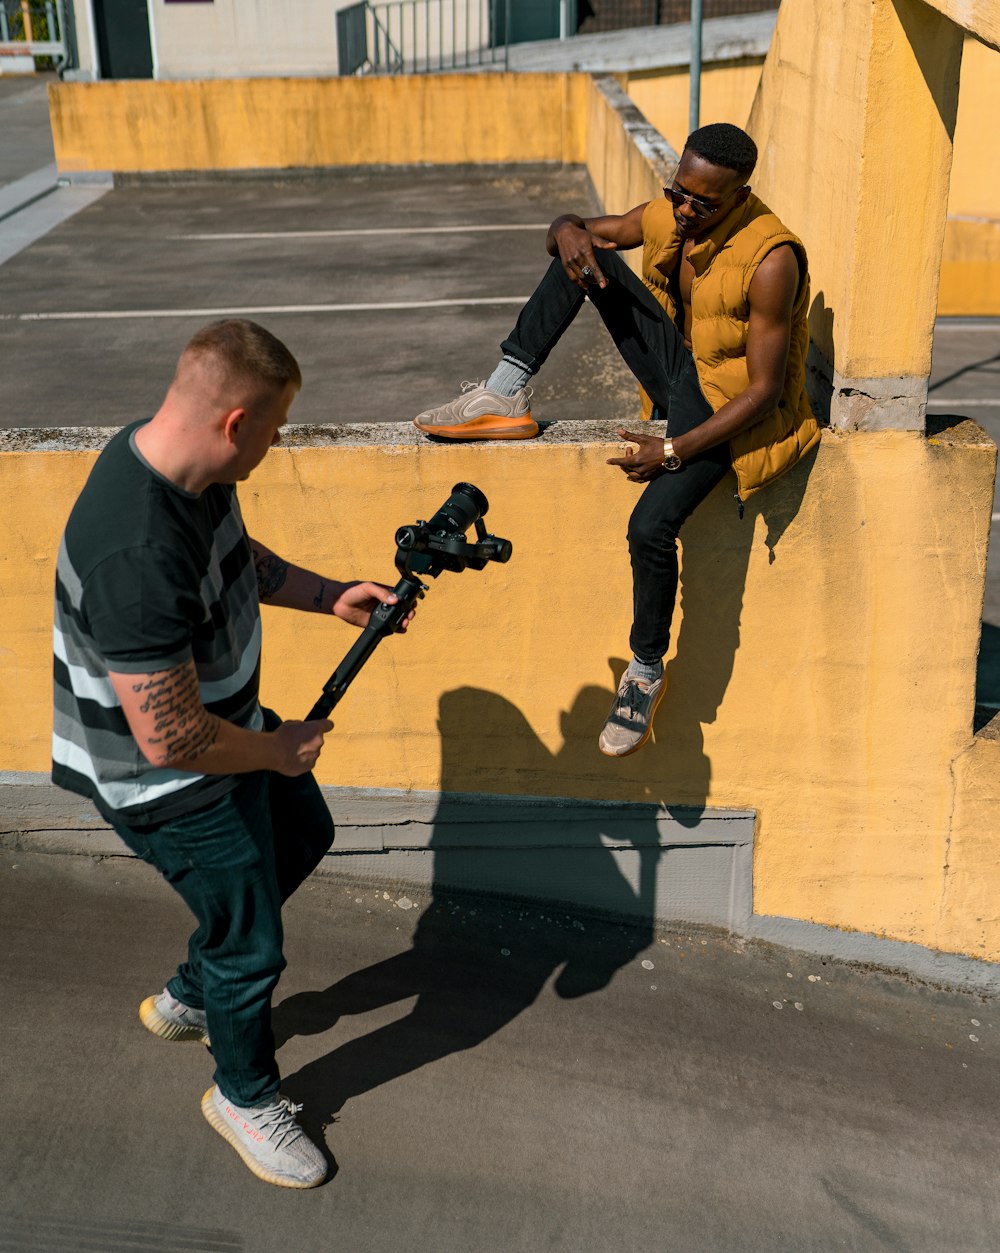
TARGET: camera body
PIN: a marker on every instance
(427, 548)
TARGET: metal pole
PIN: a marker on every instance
(694, 106)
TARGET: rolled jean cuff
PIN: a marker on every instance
(516, 354)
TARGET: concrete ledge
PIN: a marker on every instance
(648, 47)
(648, 862)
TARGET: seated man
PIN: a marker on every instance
(716, 333)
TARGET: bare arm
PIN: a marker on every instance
(173, 729)
(574, 239)
(292, 587)
(772, 295)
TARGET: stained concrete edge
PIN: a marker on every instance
(20, 439)
(384, 836)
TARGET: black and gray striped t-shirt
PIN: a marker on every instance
(148, 576)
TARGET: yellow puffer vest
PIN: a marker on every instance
(724, 263)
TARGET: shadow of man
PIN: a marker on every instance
(474, 964)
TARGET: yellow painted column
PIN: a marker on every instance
(854, 117)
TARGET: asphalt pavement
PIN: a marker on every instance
(488, 1077)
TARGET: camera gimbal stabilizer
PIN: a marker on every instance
(422, 550)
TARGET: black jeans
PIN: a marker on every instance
(654, 350)
(234, 863)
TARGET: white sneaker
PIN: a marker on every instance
(268, 1139)
(171, 1019)
(481, 414)
(629, 723)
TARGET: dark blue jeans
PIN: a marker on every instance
(655, 352)
(234, 863)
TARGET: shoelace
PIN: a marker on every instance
(630, 699)
(279, 1122)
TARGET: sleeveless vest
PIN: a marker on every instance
(724, 262)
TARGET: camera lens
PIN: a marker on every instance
(460, 511)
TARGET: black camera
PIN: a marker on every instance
(440, 544)
(423, 550)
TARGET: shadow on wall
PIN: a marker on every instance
(987, 676)
(470, 982)
(819, 367)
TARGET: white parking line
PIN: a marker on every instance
(106, 314)
(402, 232)
(948, 400)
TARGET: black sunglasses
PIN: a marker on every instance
(699, 207)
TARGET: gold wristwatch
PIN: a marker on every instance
(671, 461)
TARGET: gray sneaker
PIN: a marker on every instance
(170, 1019)
(268, 1139)
(630, 720)
(481, 414)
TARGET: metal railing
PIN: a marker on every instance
(605, 15)
(422, 36)
(35, 28)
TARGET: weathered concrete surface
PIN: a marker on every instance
(24, 124)
(505, 1080)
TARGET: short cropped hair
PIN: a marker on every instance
(246, 352)
(723, 144)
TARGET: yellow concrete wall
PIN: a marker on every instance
(845, 663)
(275, 123)
(727, 92)
(970, 266)
(970, 269)
(975, 171)
(623, 174)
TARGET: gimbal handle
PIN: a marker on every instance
(383, 621)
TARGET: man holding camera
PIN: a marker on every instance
(715, 332)
(157, 719)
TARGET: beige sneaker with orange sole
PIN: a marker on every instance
(481, 414)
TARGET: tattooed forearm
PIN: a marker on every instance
(271, 574)
(318, 598)
(182, 728)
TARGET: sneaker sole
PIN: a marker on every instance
(485, 427)
(649, 730)
(162, 1027)
(215, 1120)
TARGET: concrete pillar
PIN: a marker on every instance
(854, 117)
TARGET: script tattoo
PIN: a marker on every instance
(318, 598)
(182, 728)
(271, 573)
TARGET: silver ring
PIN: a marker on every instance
(587, 272)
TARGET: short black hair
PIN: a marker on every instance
(723, 144)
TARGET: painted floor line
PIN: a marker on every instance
(254, 310)
(402, 232)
